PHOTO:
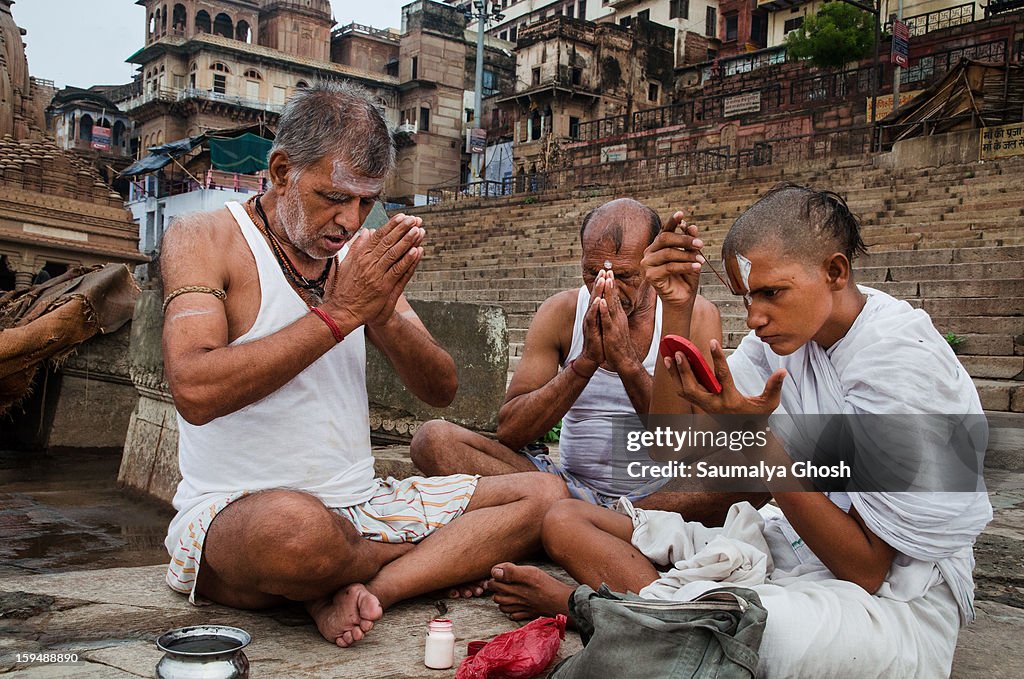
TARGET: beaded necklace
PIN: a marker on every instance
(300, 282)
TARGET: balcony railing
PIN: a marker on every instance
(165, 94)
(382, 33)
(926, 68)
(234, 100)
(604, 127)
(171, 95)
(919, 24)
(151, 186)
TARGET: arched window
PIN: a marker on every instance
(118, 134)
(223, 25)
(180, 18)
(163, 20)
(156, 22)
(203, 23)
(85, 128)
(243, 32)
(302, 84)
(220, 77)
(192, 75)
(252, 84)
(152, 25)
(159, 137)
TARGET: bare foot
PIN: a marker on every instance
(468, 590)
(346, 617)
(525, 592)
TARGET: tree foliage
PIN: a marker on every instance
(838, 34)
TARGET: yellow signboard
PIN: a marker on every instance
(883, 105)
(1002, 141)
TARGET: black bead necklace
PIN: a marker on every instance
(315, 287)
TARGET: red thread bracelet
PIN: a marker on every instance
(325, 317)
(572, 366)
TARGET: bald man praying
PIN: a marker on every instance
(589, 361)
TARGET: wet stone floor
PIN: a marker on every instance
(62, 511)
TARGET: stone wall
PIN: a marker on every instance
(474, 334)
(96, 395)
(476, 337)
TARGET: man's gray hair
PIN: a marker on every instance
(335, 118)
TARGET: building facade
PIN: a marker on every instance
(571, 72)
(55, 210)
(216, 64)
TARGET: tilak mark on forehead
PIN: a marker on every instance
(353, 184)
(744, 266)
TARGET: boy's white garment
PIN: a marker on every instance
(892, 361)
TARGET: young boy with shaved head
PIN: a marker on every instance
(856, 584)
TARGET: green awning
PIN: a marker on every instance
(245, 154)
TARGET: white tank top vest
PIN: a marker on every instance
(311, 434)
(585, 446)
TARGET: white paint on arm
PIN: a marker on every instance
(188, 313)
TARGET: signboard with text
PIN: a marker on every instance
(100, 138)
(476, 140)
(748, 102)
(900, 54)
(613, 154)
(1002, 141)
(883, 105)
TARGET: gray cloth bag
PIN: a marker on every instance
(624, 636)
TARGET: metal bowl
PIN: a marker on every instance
(203, 652)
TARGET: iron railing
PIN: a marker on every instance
(851, 141)
(524, 183)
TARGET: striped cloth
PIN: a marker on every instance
(411, 509)
(580, 490)
(406, 510)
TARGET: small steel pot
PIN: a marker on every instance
(203, 652)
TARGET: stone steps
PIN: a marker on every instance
(947, 239)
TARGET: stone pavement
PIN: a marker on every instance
(111, 616)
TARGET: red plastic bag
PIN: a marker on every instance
(519, 654)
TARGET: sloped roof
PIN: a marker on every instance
(970, 95)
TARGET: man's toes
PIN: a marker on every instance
(522, 615)
(366, 625)
(345, 640)
(500, 572)
(507, 600)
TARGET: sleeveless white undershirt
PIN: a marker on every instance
(311, 434)
(585, 444)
